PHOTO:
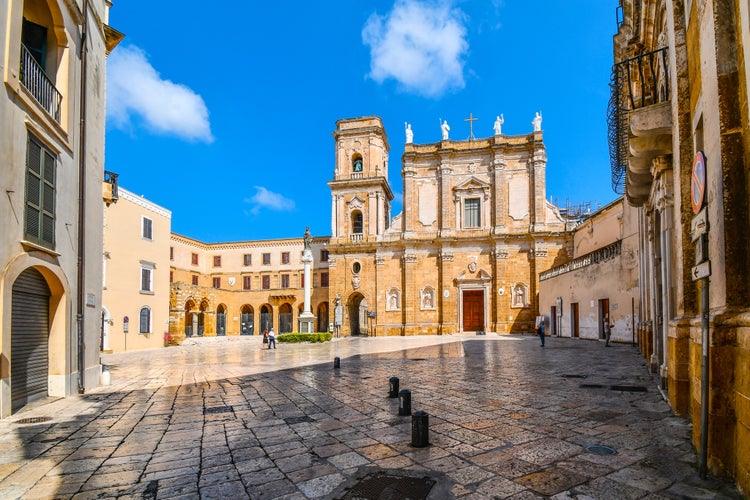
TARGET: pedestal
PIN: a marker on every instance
(306, 323)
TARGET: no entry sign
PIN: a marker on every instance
(698, 182)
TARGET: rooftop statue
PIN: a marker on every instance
(537, 122)
(499, 124)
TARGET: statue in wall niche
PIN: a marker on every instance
(537, 122)
(428, 301)
(445, 128)
(409, 133)
(519, 296)
(393, 300)
(499, 125)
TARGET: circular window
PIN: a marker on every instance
(356, 267)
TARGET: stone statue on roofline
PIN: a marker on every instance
(499, 124)
(409, 133)
(445, 128)
(308, 238)
(537, 122)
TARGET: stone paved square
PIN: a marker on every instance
(223, 421)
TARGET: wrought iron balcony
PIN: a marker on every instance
(110, 187)
(39, 84)
(636, 83)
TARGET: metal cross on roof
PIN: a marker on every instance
(471, 121)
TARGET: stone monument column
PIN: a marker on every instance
(306, 318)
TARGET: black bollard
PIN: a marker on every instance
(337, 362)
(393, 387)
(404, 403)
(420, 429)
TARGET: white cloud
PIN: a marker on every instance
(135, 88)
(421, 45)
(263, 198)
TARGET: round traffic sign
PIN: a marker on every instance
(698, 182)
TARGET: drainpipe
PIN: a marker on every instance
(82, 206)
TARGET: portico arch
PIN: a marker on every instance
(357, 309)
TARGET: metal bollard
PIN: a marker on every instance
(393, 387)
(420, 429)
(404, 403)
(337, 362)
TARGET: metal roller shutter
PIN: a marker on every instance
(29, 352)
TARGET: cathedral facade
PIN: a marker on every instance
(465, 253)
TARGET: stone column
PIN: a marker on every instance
(444, 198)
(307, 318)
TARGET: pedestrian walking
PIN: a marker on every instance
(265, 339)
(607, 331)
(271, 338)
(540, 328)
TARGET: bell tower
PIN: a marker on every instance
(360, 194)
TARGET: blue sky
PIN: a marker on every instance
(226, 117)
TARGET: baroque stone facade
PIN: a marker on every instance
(464, 254)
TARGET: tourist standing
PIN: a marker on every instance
(271, 338)
(265, 339)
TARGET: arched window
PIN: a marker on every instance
(266, 318)
(285, 318)
(246, 320)
(357, 163)
(221, 320)
(357, 222)
(144, 320)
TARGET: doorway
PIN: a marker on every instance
(473, 310)
(574, 319)
(603, 316)
(221, 320)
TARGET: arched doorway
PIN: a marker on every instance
(191, 318)
(285, 318)
(221, 320)
(266, 317)
(29, 339)
(246, 320)
(202, 318)
(357, 308)
(323, 317)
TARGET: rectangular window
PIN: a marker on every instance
(285, 257)
(171, 276)
(266, 282)
(217, 282)
(246, 280)
(147, 228)
(147, 277)
(217, 260)
(195, 280)
(302, 280)
(194, 259)
(284, 281)
(171, 253)
(324, 279)
(247, 259)
(266, 259)
(471, 213)
(324, 255)
(40, 193)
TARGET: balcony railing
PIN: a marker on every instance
(600, 255)
(38, 83)
(356, 237)
(111, 179)
(635, 83)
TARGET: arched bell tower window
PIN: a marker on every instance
(357, 163)
(357, 222)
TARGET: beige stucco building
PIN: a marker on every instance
(243, 288)
(680, 97)
(600, 282)
(52, 171)
(465, 253)
(135, 297)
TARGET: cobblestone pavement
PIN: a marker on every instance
(225, 419)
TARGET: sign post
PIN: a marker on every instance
(701, 271)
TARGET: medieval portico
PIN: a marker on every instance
(464, 254)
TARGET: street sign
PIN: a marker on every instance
(701, 250)
(702, 270)
(698, 182)
(699, 225)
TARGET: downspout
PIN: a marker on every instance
(82, 206)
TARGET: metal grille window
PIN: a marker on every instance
(194, 259)
(357, 224)
(285, 257)
(217, 282)
(40, 193)
(147, 228)
(324, 255)
(266, 282)
(144, 320)
(147, 277)
(324, 279)
(195, 280)
(284, 281)
(246, 280)
(472, 207)
(247, 259)
(217, 260)
(266, 259)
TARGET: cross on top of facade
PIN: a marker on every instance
(471, 119)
